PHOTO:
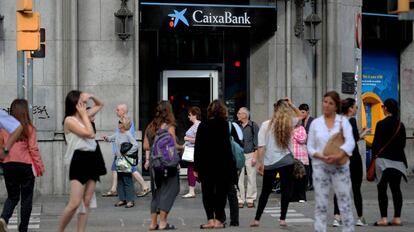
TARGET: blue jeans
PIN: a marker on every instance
(125, 187)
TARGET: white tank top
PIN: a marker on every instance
(75, 142)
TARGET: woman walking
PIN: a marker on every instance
(81, 158)
(349, 110)
(165, 186)
(17, 166)
(275, 156)
(213, 162)
(194, 115)
(326, 170)
(391, 163)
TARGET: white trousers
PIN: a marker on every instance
(325, 176)
(251, 195)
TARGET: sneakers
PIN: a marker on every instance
(361, 222)
(3, 225)
(302, 201)
(337, 223)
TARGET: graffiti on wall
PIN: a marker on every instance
(39, 112)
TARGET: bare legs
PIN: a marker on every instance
(78, 192)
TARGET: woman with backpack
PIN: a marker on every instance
(214, 164)
(164, 171)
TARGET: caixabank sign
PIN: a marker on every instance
(185, 16)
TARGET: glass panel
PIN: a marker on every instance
(184, 93)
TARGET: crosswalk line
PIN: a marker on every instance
(289, 214)
(292, 216)
(14, 227)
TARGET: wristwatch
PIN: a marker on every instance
(5, 151)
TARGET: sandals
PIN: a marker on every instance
(282, 223)
(254, 224)
(154, 228)
(250, 205)
(110, 194)
(120, 203)
(144, 192)
(241, 205)
(206, 226)
(167, 227)
(129, 204)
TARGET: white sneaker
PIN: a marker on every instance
(302, 201)
(3, 225)
(361, 222)
(337, 223)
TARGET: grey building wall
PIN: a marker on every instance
(407, 101)
(84, 53)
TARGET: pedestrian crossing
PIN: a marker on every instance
(34, 223)
(292, 216)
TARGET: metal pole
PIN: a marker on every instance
(20, 74)
(30, 86)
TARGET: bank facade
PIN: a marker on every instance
(248, 53)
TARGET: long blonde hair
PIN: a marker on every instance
(281, 123)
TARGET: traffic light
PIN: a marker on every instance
(27, 26)
(398, 6)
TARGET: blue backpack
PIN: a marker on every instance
(237, 150)
(164, 154)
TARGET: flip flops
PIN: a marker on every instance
(120, 203)
(206, 226)
(167, 227)
(155, 228)
(380, 224)
(110, 194)
(129, 204)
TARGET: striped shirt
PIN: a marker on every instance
(192, 133)
(299, 144)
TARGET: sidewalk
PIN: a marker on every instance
(188, 214)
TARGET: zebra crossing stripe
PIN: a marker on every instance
(291, 217)
(14, 227)
(34, 222)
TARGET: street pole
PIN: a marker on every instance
(30, 85)
(20, 74)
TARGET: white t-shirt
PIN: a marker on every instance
(8, 122)
(266, 139)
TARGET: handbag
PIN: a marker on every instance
(188, 154)
(299, 170)
(371, 170)
(333, 146)
(123, 164)
(237, 150)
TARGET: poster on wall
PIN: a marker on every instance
(380, 73)
(380, 80)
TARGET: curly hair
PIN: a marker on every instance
(163, 114)
(281, 123)
(217, 109)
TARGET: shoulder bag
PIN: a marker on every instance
(371, 174)
(333, 146)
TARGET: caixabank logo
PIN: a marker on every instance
(178, 16)
(202, 17)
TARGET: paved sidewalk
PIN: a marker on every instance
(188, 214)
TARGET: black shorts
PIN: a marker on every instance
(83, 167)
